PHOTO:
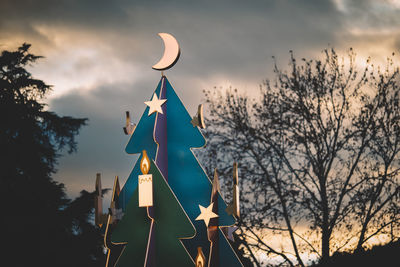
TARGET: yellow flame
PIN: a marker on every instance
(200, 258)
(145, 163)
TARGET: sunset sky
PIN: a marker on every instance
(99, 53)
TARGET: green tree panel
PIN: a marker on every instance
(170, 224)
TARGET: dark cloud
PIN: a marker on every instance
(96, 13)
(102, 142)
(225, 30)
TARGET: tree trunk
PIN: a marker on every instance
(361, 238)
(325, 245)
(326, 233)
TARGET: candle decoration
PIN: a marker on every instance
(145, 183)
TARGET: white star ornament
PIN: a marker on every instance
(206, 214)
(155, 104)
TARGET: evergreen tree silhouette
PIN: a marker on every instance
(41, 226)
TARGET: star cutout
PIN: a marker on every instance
(206, 214)
(155, 104)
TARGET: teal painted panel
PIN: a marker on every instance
(185, 175)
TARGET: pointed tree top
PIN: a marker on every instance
(116, 189)
(98, 184)
(215, 186)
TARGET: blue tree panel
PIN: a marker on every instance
(227, 256)
(189, 180)
(185, 175)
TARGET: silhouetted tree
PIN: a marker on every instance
(318, 152)
(40, 225)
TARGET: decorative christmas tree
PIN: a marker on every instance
(151, 235)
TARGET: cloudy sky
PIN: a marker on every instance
(99, 53)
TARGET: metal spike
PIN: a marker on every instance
(234, 208)
(129, 126)
(98, 202)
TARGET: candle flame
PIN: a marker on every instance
(145, 163)
(200, 258)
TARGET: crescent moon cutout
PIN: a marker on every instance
(171, 52)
